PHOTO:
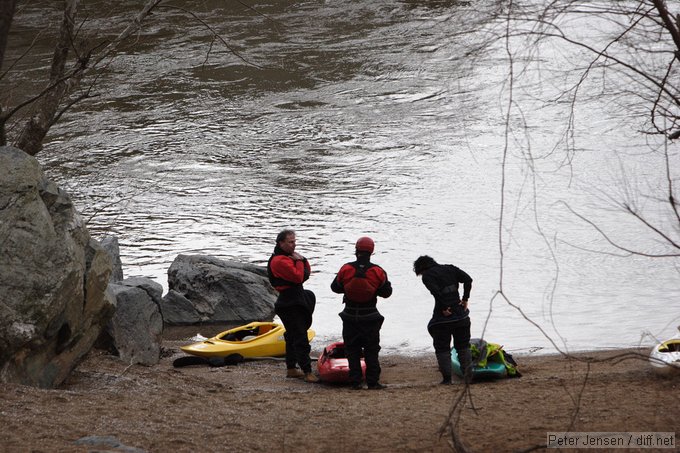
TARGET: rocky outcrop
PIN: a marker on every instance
(110, 244)
(53, 277)
(135, 331)
(205, 289)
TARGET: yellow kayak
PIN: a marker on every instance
(665, 357)
(257, 339)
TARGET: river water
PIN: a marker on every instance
(347, 118)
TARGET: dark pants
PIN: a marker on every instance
(362, 335)
(441, 339)
(297, 320)
(442, 334)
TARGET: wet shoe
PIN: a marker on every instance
(311, 378)
(357, 386)
(376, 386)
(295, 373)
(446, 381)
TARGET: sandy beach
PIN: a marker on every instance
(107, 405)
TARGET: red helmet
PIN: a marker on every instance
(365, 244)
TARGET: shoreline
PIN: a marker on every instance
(252, 406)
(182, 334)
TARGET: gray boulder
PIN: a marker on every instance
(53, 277)
(205, 289)
(110, 244)
(135, 331)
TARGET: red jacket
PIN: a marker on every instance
(285, 272)
(374, 274)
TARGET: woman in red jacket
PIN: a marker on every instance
(287, 271)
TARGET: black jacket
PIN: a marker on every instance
(443, 281)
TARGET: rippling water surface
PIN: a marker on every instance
(346, 118)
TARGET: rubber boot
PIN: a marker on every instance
(444, 361)
(311, 378)
(295, 373)
(465, 359)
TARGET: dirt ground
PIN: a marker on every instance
(251, 407)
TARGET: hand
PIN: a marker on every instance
(464, 304)
(447, 311)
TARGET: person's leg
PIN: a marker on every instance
(298, 324)
(371, 352)
(461, 341)
(303, 348)
(287, 319)
(441, 340)
(351, 336)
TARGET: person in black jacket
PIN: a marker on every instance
(362, 282)
(450, 317)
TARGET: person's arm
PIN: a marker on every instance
(338, 284)
(467, 286)
(307, 269)
(385, 289)
(466, 280)
(294, 271)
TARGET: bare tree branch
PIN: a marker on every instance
(61, 83)
(671, 191)
(51, 103)
(215, 35)
(649, 225)
(133, 27)
(616, 245)
(668, 23)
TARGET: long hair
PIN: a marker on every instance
(422, 263)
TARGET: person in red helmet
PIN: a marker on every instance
(287, 271)
(362, 282)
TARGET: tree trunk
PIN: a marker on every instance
(30, 140)
(7, 8)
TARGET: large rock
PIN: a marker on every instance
(110, 244)
(53, 277)
(205, 289)
(135, 331)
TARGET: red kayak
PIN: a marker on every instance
(333, 365)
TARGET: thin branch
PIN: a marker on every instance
(649, 225)
(614, 244)
(669, 179)
(617, 60)
(655, 105)
(21, 57)
(40, 95)
(215, 35)
(668, 23)
(134, 26)
(530, 321)
(579, 396)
